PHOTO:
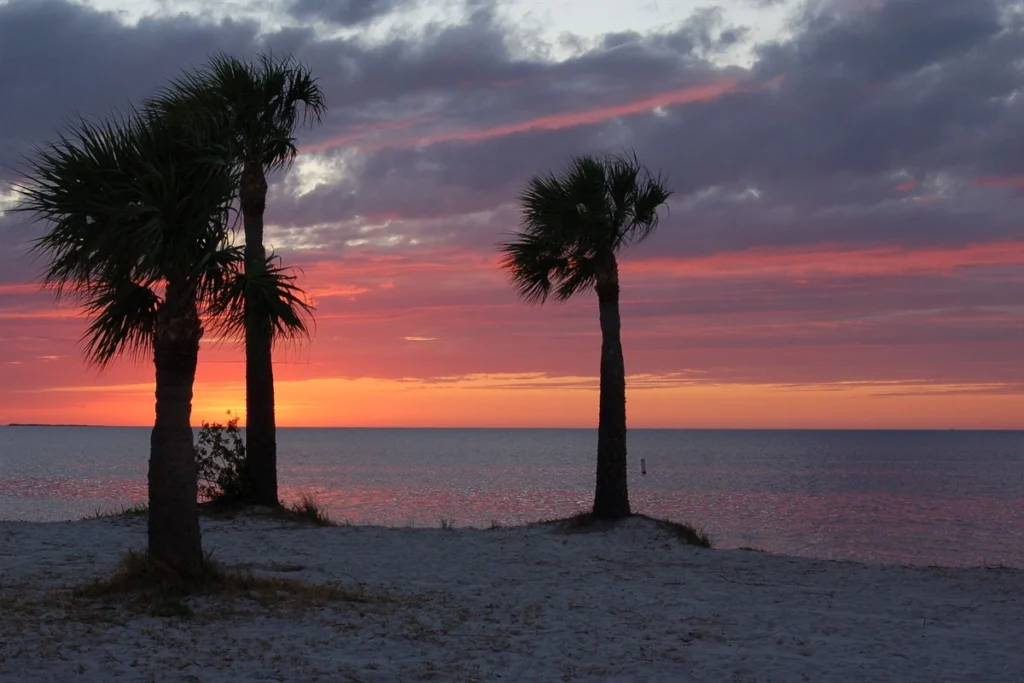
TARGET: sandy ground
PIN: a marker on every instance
(521, 604)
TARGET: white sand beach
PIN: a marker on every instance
(519, 604)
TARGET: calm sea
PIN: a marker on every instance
(951, 498)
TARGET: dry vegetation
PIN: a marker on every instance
(585, 522)
(141, 585)
(306, 510)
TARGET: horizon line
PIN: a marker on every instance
(594, 428)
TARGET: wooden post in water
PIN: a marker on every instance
(643, 466)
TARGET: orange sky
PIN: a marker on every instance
(484, 402)
(419, 343)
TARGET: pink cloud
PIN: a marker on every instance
(832, 260)
(1014, 181)
(549, 122)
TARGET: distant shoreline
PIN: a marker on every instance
(41, 424)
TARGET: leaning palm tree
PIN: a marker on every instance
(139, 212)
(573, 226)
(265, 101)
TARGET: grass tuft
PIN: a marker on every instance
(684, 532)
(158, 590)
(581, 521)
(139, 576)
(585, 521)
(134, 510)
(307, 509)
(448, 524)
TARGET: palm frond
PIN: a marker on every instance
(133, 189)
(532, 262)
(266, 99)
(123, 320)
(587, 185)
(574, 223)
(80, 185)
(578, 276)
(265, 295)
(636, 194)
(131, 200)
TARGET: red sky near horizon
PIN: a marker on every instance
(403, 344)
(800, 279)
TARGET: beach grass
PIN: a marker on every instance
(139, 509)
(584, 522)
(142, 585)
(307, 509)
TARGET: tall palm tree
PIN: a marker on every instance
(573, 227)
(137, 208)
(138, 211)
(265, 101)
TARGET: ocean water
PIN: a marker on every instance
(948, 498)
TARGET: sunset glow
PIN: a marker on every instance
(841, 249)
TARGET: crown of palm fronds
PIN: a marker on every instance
(131, 203)
(574, 223)
(141, 195)
(266, 100)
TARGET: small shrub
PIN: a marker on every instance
(220, 462)
(447, 524)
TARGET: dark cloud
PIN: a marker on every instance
(821, 126)
(897, 38)
(344, 12)
(64, 59)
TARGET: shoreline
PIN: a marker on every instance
(629, 603)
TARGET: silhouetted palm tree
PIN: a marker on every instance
(573, 226)
(265, 100)
(139, 217)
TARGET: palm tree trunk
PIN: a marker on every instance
(260, 422)
(174, 537)
(611, 498)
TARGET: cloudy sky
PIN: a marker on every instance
(845, 246)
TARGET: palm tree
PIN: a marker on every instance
(573, 226)
(139, 219)
(265, 101)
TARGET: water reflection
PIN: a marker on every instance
(920, 498)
